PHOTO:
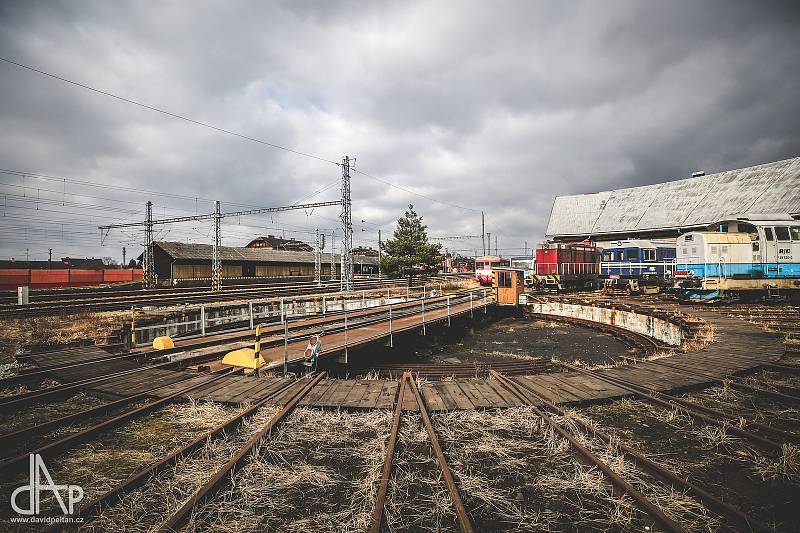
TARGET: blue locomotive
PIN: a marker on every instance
(636, 264)
(749, 257)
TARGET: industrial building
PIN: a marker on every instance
(179, 260)
(667, 210)
(279, 243)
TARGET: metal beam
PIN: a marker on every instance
(211, 216)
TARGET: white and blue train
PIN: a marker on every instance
(634, 264)
(750, 257)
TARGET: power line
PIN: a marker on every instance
(223, 130)
(168, 113)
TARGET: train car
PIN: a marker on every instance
(748, 259)
(565, 266)
(483, 267)
(638, 265)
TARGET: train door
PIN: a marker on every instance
(794, 267)
(769, 252)
(783, 237)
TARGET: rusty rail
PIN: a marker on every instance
(730, 512)
(383, 489)
(14, 464)
(461, 513)
(214, 483)
(734, 384)
(50, 425)
(705, 414)
(655, 512)
(141, 476)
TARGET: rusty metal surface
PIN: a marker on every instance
(707, 415)
(225, 471)
(618, 481)
(464, 521)
(732, 513)
(383, 489)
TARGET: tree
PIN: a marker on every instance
(408, 252)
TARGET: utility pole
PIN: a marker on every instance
(483, 233)
(50, 257)
(333, 255)
(347, 227)
(496, 252)
(216, 260)
(380, 253)
(148, 275)
(489, 236)
(124, 264)
(318, 261)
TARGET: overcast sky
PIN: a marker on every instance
(494, 106)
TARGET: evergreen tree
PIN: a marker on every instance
(409, 253)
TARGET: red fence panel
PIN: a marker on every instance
(117, 276)
(45, 279)
(85, 278)
(13, 278)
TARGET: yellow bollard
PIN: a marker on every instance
(163, 343)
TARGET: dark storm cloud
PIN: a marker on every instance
(494, 106)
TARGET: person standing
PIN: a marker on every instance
(311, 353)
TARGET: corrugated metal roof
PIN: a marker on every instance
(769, 188)
(188, 251)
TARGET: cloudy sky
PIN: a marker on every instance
(493, 106)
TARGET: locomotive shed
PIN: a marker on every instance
(699, 407)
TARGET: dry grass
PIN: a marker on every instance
(703, 337)
(317, 472)
(145, 508)
(418, 499)
(18, 334)
(102, 463)
(517, 475)
(762, 485)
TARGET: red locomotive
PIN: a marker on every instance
(565, 266)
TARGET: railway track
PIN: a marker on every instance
(409, 397)
(13, 464)
(293, 392)
(216, 346)
(171, 297)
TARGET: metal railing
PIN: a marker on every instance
(299, 306)
(426, 304)
(566, 269)
(666, 268)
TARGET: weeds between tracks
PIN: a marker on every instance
(317, 472)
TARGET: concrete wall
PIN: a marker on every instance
(659, 329)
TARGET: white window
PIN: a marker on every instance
(648, 255)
